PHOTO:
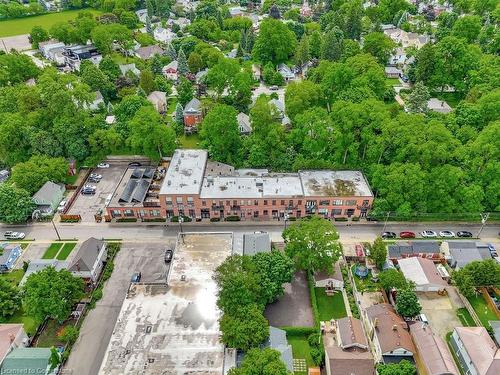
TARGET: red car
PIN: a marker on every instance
(407, 234)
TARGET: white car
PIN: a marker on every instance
(89, 187)
(14, 235)
(428, 233)
(446, 233)
(103, 165)
(95, 176)
(62, 205)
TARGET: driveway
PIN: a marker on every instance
(440, 313)
(263, 89)
(95, 333)
(294, 307)
(34, 251)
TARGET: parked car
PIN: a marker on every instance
(87, 186)
(95, 176)
(134, 164)
(386, 235)
(14, 235)
(87, 191)
(407, 234)
(136, 277)
(103, 165)
(94, 180)
(274, 88)
(168, 255)
(62, 205)
(447, 234)
(464, 234)
(428, 233)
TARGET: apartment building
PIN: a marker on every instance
(199, 188)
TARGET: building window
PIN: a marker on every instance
(116, 213)
(337, 202)
(350, 203)
(265, 202)
(178, 200)
(290, 203)
(275, 213)
(256, 214)
(299, 213)
(155, 213)
(213, 203)
(366, 202)
(170, 213)
(282, 202)
(191, 213)
(274, 203)
(190, 200)
(255, 203)
(142, 213)
(204, 203)
(249, 203)
(228, 203)
(299, 202)
(324, 203)
(336, 212)
(221, 203)
(168, 201)
(235, 203)
(242, 203)
(266, 212)
(181, 212)
(128, 213)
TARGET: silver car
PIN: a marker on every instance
(428, 234)
(447, 234)
(14, 235)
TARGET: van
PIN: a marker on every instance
(108, 199)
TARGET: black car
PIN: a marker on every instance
(464, 234)
(168, 255)
(386, 235)
(136, 277)
(87, 191)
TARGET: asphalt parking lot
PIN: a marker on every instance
(89, 350)
(87, 205)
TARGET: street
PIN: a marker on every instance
(135, 232)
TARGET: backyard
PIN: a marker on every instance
(330, 306)
(365, 284)
(50, 334)
(59, 250)
(189, 141)
(465, 317)
(20, 26)
(483, 311)
(300, 349)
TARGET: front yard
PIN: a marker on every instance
(14, 277)
(330, 306)
(59, 250)
(483, 311)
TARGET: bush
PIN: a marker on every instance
(175, 219)
(318, 356)
(355, 218)
(340, 219)
(232, 218)
(153, 220)
(69, 334)
(314, 340)
(126, 220)
(214, 219)
(97, 294)
(69, 220)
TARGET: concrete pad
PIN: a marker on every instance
(34, 251)
(368, 299)
(17, 42)
(440, 313)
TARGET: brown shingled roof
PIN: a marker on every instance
(351, 333)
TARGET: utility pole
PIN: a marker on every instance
(286, 216)
(484, 218)
(54, 225)
(181, 220)
(386, 218)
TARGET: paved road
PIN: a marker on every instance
(140, 232)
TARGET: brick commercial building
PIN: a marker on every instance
(199, 188)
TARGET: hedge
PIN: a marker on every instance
(341, 219)
(126, 220)
(299, 331)
(175, 219)
(69, 220)
(355, 218)
(214, 219)
(312, 294)
(153, 219)
(232, 218)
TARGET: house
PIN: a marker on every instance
(433, 353)
(181, 22)
(280, 111)
(199, 77)
(346, 348)
(392, 72)
(48, 197)
(476, 352)
(236, 11)
(388, 333)
(28, 361)
(12, 336)
(74, 55)
(277, 341)
(9, 253)
(52, 50)
(462, 253)
(89, 260)
(159, 101)
(147, 52)
(40, 264)
(163, 35)
(141, 15)
(256, 72)
(110, 120)
(423, 273)
(329, 281)
(192, 115)
(286, 72)
(125, 68)
(495, 326)
(98, 101)
(436, 105)
(406, 39)
(254, 243)
(424, 249)
(170, 70)
(232, 54)
(244, 123)
(4, 175)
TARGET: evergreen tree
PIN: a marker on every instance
(417, 99)
(182, 66)
(150, 8)
(170, 52)
(110, 108)
(149, 29)
(179, 115)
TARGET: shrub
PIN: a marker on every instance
(340, 219)
(355, 218)
(153, 219)
(126, 220)
(214, 219)
(232, 218)
(69, 334)
(175, 219)
(314, 340)
(318, 356)
(69, 220)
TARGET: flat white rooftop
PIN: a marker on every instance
(251, 187)
(334, 184)
(173, 329)
(185, 173)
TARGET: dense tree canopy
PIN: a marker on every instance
(275, 42)
(261, 362)
(16, 204)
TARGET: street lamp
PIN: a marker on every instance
(286, 216)
(181, 220)
(386, 218)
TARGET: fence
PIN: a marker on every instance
(470, 309)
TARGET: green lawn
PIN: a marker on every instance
(465, 317)
(66, 250)
(392, 81)
(300, 349)
(24, 25)
(48, 337)
(30, 324)
(189, 141)
(452, 98)
(366, 284)
(483, 311)
(14, 277)
(52, 251)
(171, 104)
(330, 306)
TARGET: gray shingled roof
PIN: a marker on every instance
(48, 192)
(254, 243)
(277, 341)
(86, 255)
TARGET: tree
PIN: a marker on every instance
(378, 252)
(418, 98)
(467, 27)
(477, 274)
(392, 279)
(275, 42)
(380, 46)
(170, 52)
(275, 269)
(302, 52)
(179, 113)
(300, 96)
(149, 136)
(246, 329)
(313, 244)
(195, 62)
(97, 80)
(220, 134)
(51, 294)
(407, 304)
(105, 35)
(110, 68)
(32, 174)
(16, 204)
(261, 362)
(182, 66)
(388, 9)
(16, 68)
(10, 299)
(404, 367)
(69, 334)
(146, 81)
(332, 46)
(54, 359)
(315, 44)
(38, 34)
(184, 91)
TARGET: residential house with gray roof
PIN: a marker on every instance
(48, 197)
(88, 261)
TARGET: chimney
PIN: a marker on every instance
(394, 327)
(11, 337)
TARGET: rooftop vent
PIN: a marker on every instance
(183, 277)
